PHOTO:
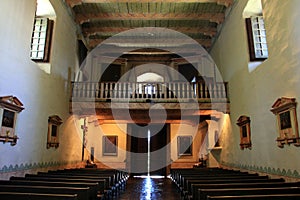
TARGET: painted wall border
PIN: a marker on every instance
(34, 166)
(266, 170)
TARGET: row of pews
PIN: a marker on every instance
(225, 184)
(66, 184)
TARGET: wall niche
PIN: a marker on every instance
(10, 107)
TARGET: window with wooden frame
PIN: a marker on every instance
(41, 40)
(257, 41)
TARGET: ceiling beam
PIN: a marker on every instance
(212, 17)
(122, 42)
(209, 31)
(73, 3)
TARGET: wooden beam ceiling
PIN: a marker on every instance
(99, 20)
(73, 3)
(210, 31)
(212, 17)
(203, 42)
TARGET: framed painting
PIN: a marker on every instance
(110, 145)
(184, 145)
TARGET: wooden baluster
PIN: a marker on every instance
(164, 90)
(91, 86)
(216, 90)
(212, 90)
(102, 90)
(178, 90)
(219, 90)
(167, 90)
(152, 91)
(109, 94)
(75, 90)
(129, 90)
(187, 90)
(196, 90)
(97, 90)
(84, 90)
(203, 90)
(122, 90)
(146, 90)
(115, 90)
(87, 90)
(158, 90)
(143, 91)
(223, 90)
(106, 90)
(207, 91)
(80, 91)
(133, 90)
(181, 89)
(170, 91)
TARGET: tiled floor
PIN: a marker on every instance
(150, 189)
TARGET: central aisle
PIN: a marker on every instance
(150, 189)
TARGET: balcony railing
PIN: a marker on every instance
(143, 91)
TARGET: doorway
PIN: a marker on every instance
(149, 149)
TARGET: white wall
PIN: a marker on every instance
(252, 93)
(42, 94)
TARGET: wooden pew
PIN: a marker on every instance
(121, 175)
(204, 193)
(82, 193)
(93, 191)
(35, 196)
(212, 173)
(178, 174)
(196, 187)
(101, 182)
(188, 191)
(119, 180)
(257, 197)
(186, 179)
(109, 179)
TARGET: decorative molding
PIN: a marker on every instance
(267, 170)
(32, 166)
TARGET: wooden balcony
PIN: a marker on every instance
(179, 99)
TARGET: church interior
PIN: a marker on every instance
(150, 88)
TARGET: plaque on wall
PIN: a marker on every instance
(10, 106)
(54, 123)
(287, 124)
(245, 132)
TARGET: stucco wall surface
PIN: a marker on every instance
(253, 92)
